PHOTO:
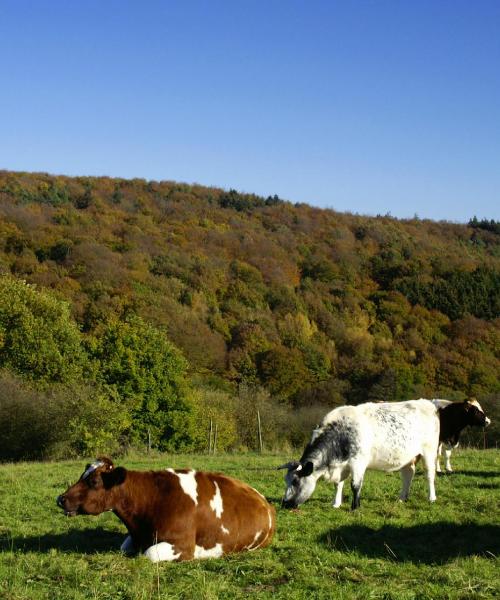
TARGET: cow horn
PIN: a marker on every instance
(293, 464)
(92, 467)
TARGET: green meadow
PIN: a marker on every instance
(386, 550)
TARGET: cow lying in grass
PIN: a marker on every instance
(383, 436)
(453, 418)
(174, 514)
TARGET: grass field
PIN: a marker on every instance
(387, 550)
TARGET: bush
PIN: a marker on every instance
(96, 424)
(56, 421)
(301, 422)
(29, 423)
(220, 408)
(273, 418)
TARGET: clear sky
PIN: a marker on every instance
(372, 107)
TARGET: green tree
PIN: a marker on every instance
(149, 374)
(38, 338)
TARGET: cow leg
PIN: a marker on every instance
(337, 501)
(358, 473)
(430, 468)
(356, 494)
(447, 454)
(407, 473)
(438, 458)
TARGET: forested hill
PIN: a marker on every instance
(311, 304)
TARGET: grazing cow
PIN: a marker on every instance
(383, 436)
(453, 418)
(174, 514)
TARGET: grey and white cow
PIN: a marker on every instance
(383, 436)
(453, 418)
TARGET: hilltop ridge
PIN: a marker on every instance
(312, 304)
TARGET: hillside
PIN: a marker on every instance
(316, 307)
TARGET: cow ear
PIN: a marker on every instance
(107, 463)
(114, 477)
(306, 470)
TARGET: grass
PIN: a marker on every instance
(387, 550)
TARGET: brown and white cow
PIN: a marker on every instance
(174, 514)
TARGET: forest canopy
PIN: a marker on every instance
(173, 301)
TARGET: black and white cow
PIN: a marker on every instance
(453, 418)
(383, 436)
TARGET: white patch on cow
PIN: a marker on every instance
(487, 421)
(128, 545)
(188, 484)
(216, 503)
(161, 551)
(224, 530)
(215, 552)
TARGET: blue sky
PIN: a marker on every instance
(372, 107)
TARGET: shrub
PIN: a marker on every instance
(220, 408)
(56, 421)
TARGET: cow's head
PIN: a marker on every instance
(94, 492)
(475, 414)
(300, 483)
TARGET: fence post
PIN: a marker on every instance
(210, 438)
(149, 440)
(260, 431)
(215, 438)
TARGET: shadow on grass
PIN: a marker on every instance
(85, 541)
(488, 486)
(473, 473)
(433, 543)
